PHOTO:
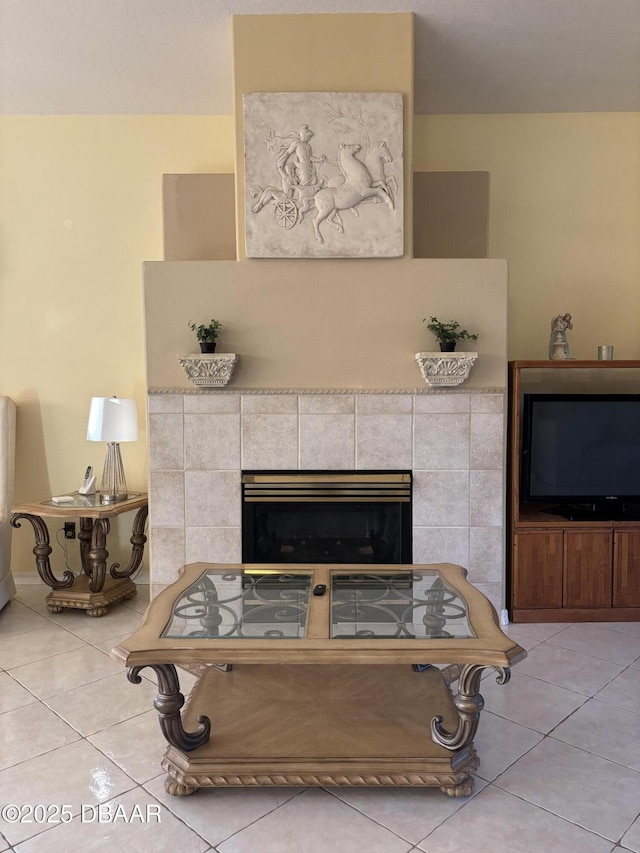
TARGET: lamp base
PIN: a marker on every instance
(114, 486)
(112, 499)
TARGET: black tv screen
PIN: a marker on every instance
(581, 448)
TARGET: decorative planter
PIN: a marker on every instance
(209, 371)
(208, 346)
(441, 370)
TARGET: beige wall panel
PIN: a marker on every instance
(324, 324)
(450, 214)
(323, 53)
(199, 217)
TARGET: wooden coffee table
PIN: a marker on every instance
(303, 686)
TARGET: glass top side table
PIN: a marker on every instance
(94, 590)
(320, 675)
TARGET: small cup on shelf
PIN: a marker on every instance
(605, 353)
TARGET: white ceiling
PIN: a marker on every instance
(173, 56)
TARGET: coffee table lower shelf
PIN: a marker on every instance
(323, 725)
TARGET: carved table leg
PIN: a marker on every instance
(469, 703)
(177, 789)
(85, 534)
(42, 550)
(138, 540)
(97, 555)
(168, 703)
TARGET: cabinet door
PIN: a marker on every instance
(626, 569)
(537, 569)
(588, 569)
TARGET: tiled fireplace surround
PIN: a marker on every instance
(453, 441)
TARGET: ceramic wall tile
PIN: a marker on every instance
(487, 498)
(202, 404)
(441, 545)
(488, 403)
(327, 441)
(213, 544)
(165, 403)
(167, 553)
(441, 441)
(441, 498)
(269, 441)
(435, 403)
(384, 404)
(494, 592)
(212, 499)
(212, 442)
(166, 503)
(487, 440)
(269, 404)
(486, 554)
(325, 404)
(383, 441)
(166, 442)
(156, 589)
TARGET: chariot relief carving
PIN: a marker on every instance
(323, 175)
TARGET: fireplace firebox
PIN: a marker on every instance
(326, 517)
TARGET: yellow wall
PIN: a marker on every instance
(80, 211)
(564, 211)
(80, 208)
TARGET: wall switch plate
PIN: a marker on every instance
(69, 530)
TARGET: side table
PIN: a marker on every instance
(93, 590)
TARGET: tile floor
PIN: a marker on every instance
(560, 750)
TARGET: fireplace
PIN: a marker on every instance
(326, 517)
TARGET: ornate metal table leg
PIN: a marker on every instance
(42, 550)
(168, 703)
(469, 703)
(138, 540)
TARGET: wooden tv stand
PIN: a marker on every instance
(560, 570)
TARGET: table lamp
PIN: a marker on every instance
(113, 420)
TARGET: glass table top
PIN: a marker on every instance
(406, 605)
(86, 502)
(274, 605)
(235, 604)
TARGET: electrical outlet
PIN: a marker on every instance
(69, 530)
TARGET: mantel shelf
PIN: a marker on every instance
(572, 364)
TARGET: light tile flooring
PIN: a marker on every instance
(560, 750)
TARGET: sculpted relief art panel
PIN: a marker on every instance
(323, 175)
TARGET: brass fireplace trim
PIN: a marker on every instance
(300, 486)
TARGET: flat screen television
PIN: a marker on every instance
(582, 451)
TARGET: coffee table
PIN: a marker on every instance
(320, 674)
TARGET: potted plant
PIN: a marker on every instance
(448, 334)
(206, 334)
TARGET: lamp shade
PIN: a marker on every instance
(112, 419)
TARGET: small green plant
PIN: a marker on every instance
(206, 334)
(448, 333)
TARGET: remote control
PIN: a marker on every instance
(62, 499)
(320, 589)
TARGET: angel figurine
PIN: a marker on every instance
(558, 344)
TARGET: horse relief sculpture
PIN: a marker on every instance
(312, 157)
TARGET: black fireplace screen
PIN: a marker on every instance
(326, 517)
